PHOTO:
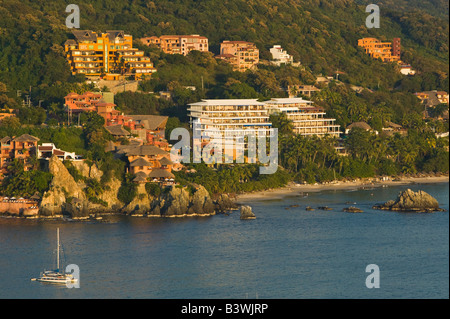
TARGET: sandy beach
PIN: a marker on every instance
(296, 189)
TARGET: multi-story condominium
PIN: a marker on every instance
(306, 118)
(86, 102)
(241, 55)
(244, 117)
(148, 128)
(22, 147)
(109, 54)
(232, 120)
(280, 56)
(178, 44)
(230, 117)
(396, 47)
(386, 51)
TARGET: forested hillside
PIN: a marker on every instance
(321, 34)
(437, 8)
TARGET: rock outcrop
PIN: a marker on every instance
(247, 213)
(177, 202)
(85, 170)
(201, 203)
(352, 209)
(62, 189)
(141, 204)
(224, 204)
(65, 196)
(410, 201)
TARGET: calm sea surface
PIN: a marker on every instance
(284, 253)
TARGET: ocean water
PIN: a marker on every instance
(283, 254)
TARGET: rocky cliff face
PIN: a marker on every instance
(141, 204)
(65, 196)
(224, 203)
(62, 188)
(88, 171)
(179, 203)
(411, 201)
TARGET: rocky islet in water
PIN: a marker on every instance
(410, 201)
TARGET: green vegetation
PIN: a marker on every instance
(22, 183)
(128, 190)
(88, 141)
(322, 35)
(311, 159)
(232, 178)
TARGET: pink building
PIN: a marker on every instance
(178, 44)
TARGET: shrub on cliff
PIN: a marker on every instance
(153, 189)
(128, 190)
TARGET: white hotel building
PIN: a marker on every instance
(307, 119)
(230, 117)
(240, 117)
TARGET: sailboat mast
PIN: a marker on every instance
(57, 254)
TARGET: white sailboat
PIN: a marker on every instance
(55, 276)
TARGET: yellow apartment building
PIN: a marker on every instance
(386, 51)
(109, 54)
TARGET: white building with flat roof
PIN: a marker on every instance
(230, 119)
(235, 117)
(280, 56)
(307, 119)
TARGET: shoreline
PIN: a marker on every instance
(295, 189)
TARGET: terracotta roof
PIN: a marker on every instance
(140, 162)
(165, 161)
(140, 150)
(26, 138)
(391, 124)
(160, 173)
(70, 42)
(112, 34)
(144, 150)
(58, 152)
(84, 35)
(140, 177)
(362, 125)
(236, 42)
(117, 130)
(150, 122)
(6, 139)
